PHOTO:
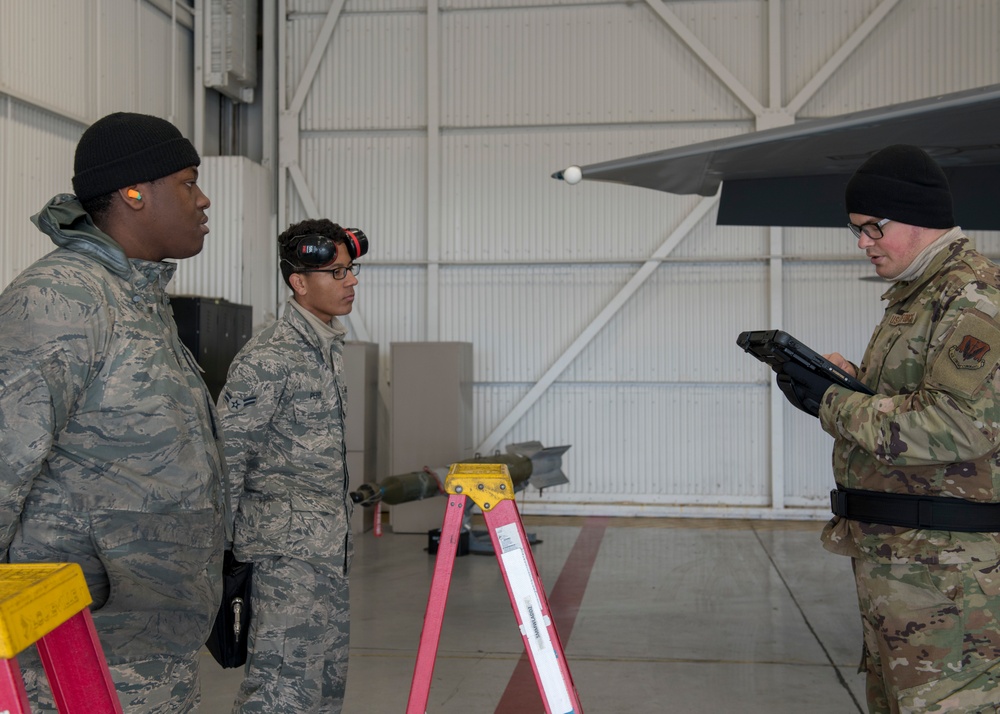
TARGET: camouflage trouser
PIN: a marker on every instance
(158, 685)
(931, 637)
(299, 635)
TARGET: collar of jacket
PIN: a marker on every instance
(69, 226)
(294, 314)
(901, 291)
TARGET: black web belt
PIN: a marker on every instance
(901, 509)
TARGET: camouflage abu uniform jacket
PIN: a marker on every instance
(108, 444)
(933, 426)
(283, 411)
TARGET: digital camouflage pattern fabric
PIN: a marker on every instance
(299, 638)
(110, 454)
(933, 428)
(283, 410)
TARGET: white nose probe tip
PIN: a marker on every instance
(572, 175)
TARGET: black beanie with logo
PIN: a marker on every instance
(902, 183)
(123, 149)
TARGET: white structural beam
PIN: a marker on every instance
(289, 136)
(433, 173)
(840, 56)
(492, 441)
(705, 55)
(316, 56)
(776, 308)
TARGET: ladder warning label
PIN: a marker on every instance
(509, 538)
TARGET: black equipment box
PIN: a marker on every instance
(214, 330)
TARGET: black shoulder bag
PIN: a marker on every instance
(228, 640)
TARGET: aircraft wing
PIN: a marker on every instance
(795, 175)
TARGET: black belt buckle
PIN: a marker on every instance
(838, 502)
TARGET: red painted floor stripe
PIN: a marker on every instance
(522, 695)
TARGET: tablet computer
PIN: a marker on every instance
(775, 348)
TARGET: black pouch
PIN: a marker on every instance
(228, 640)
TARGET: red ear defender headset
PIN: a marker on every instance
(357, 242)
(314, 250)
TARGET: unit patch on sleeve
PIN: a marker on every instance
(969, 353)
(969, 356)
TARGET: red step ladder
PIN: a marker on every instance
(45, 604)
(489, 486)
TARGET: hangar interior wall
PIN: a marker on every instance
(601, 316)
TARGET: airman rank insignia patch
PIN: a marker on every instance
(235, 404)
(969, 353)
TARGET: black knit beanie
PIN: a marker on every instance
(123, 148)
(902, 183)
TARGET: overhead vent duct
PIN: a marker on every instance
(230, 56)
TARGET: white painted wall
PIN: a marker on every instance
(601, 316)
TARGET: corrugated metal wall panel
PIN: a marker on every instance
(109, 55)
(681, 327)
(808, 470)
(940, 47)
(393, 301)
(239, 257)
(131, 54)
(499, 202)
(552, 75)
(373, 75)
(153, 37)
(43, 53)
(39, 149)
(521, 318)
(531, 86)
(645, 444)
(811, 33)
(120, 69)
(821, 243)
(341, 171)
(50, 90)
(832, 307)
(296, 7)
(500, 5)
(988, 242)
(177, 103)
(735, 32)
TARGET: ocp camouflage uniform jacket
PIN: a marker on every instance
(283, 411)
(933, 426)
(108, 441)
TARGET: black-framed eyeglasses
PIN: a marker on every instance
(872, 229)
(339, 272)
